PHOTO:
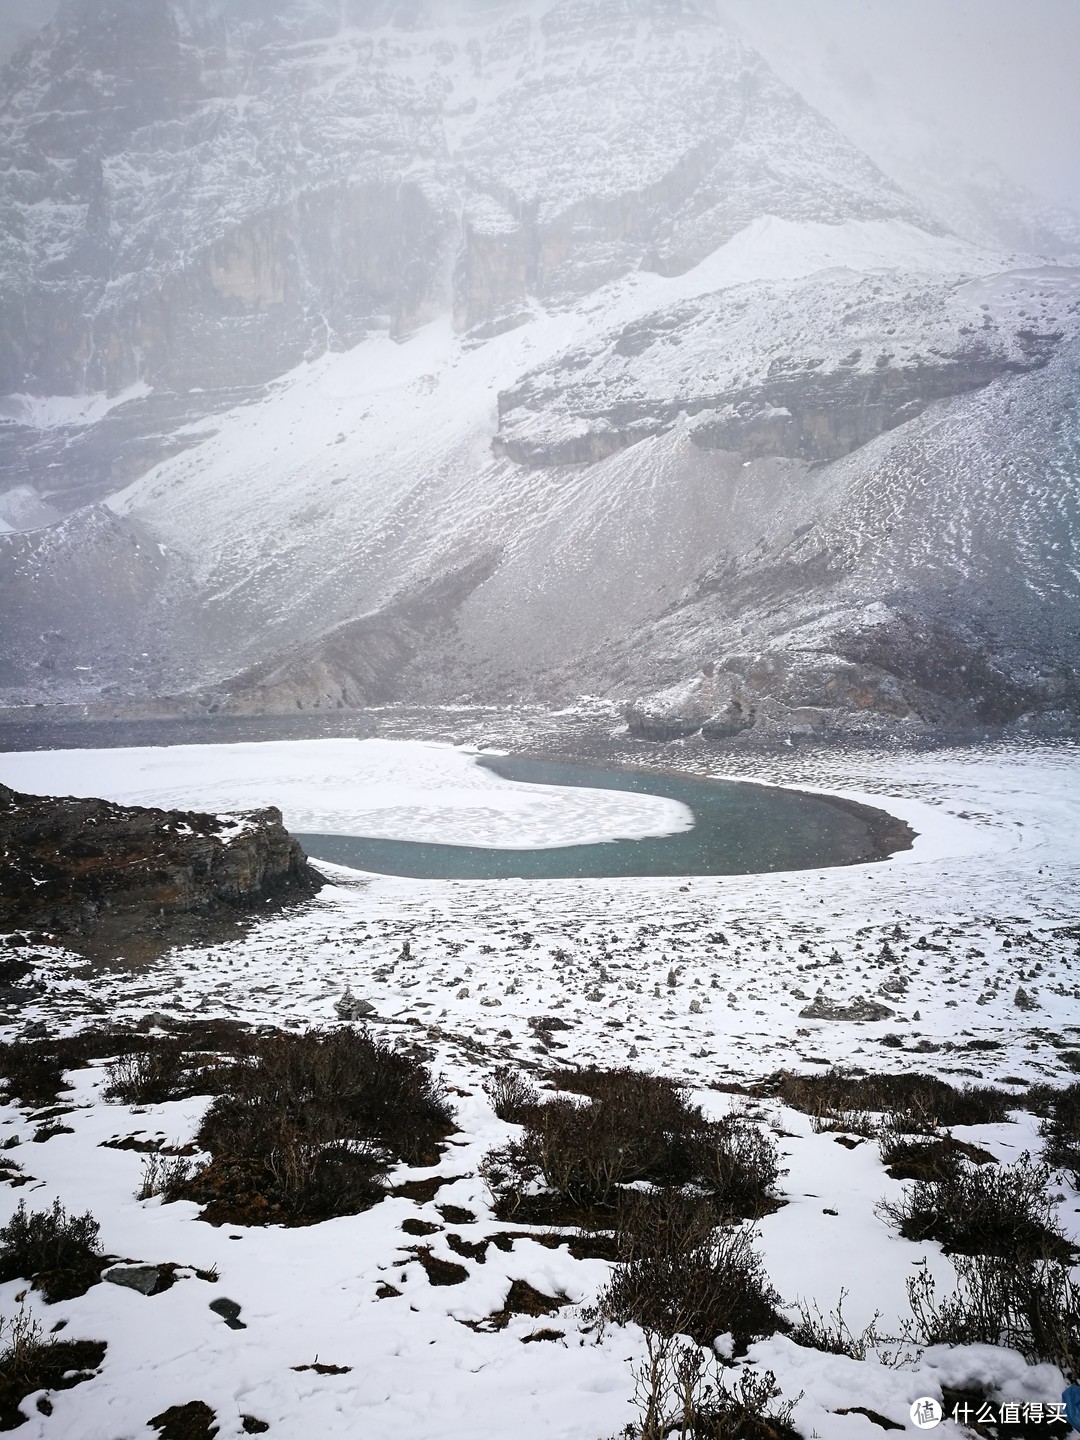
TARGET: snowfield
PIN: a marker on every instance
(943, 935)
(387, 789)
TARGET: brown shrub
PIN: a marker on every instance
(29, 1363)
(681, 1276)
(634, 1127)
(33, 1070)
(307, 1125)
(925, 1100)
(993, 1210)
(512, 1096)
(1031, 1305)
(1061, 1130)
(59, 1252)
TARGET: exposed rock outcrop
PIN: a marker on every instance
(860, 1010)
(713, 701)
(99, 875)
(741, 367)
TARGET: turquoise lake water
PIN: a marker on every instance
(739, 829)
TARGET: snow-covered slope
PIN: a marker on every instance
(517, 350)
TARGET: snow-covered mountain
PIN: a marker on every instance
(510, 350)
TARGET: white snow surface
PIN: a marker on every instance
(991, 890)
(52, 412)
(389, 789)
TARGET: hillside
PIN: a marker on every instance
(503, 352)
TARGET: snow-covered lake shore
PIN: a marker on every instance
(704, 980)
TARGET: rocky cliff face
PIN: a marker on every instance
(202, 194)
(102, 875)
(362, 352)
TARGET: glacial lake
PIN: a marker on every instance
(739, 829)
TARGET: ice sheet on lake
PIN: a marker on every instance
(396, 790)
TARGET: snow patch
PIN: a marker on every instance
(51, 412)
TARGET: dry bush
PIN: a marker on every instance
(29, 1363)
(57, 1251)
(163, 1175)
(844, 1122)
(1061, 1130)
(1030, 1305)
(337, 1084)
(661, 1221)
(512, 1096)
(164, 1070)
(585, 1151)
(925, 1101)
(833, 1335)
(680, 1390)
(632, 1090)
(994, 1210)
(681, 1276)
(737, 1162)
(32, 1071)
(308, 1124)
(912, 1156)
(633, 1127)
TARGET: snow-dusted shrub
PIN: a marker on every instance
(631, 1091)
(57, 1251)
(512, 1096)
(29, 1362)
(832, 1334)
(993, 1210)
(654, 1221)
(912, 1156)
(1061, 1130)
(21, 1341)
(33, 1071)
(635, 1127)
(163, 1175)
(164, 1070)
(1029, 1305)
(683, 1277)
(737, 1162)
(681, 1389)
(925, 1101)
(585, 1151)
(307, 1125)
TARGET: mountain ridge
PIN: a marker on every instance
(585, 357)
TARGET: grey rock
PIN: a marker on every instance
(229, 1311)
(146, 1279)
(114, 871)
(858, 1010)
(349, 1007)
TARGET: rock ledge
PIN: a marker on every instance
(92, 871)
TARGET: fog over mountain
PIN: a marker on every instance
(690, 355)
